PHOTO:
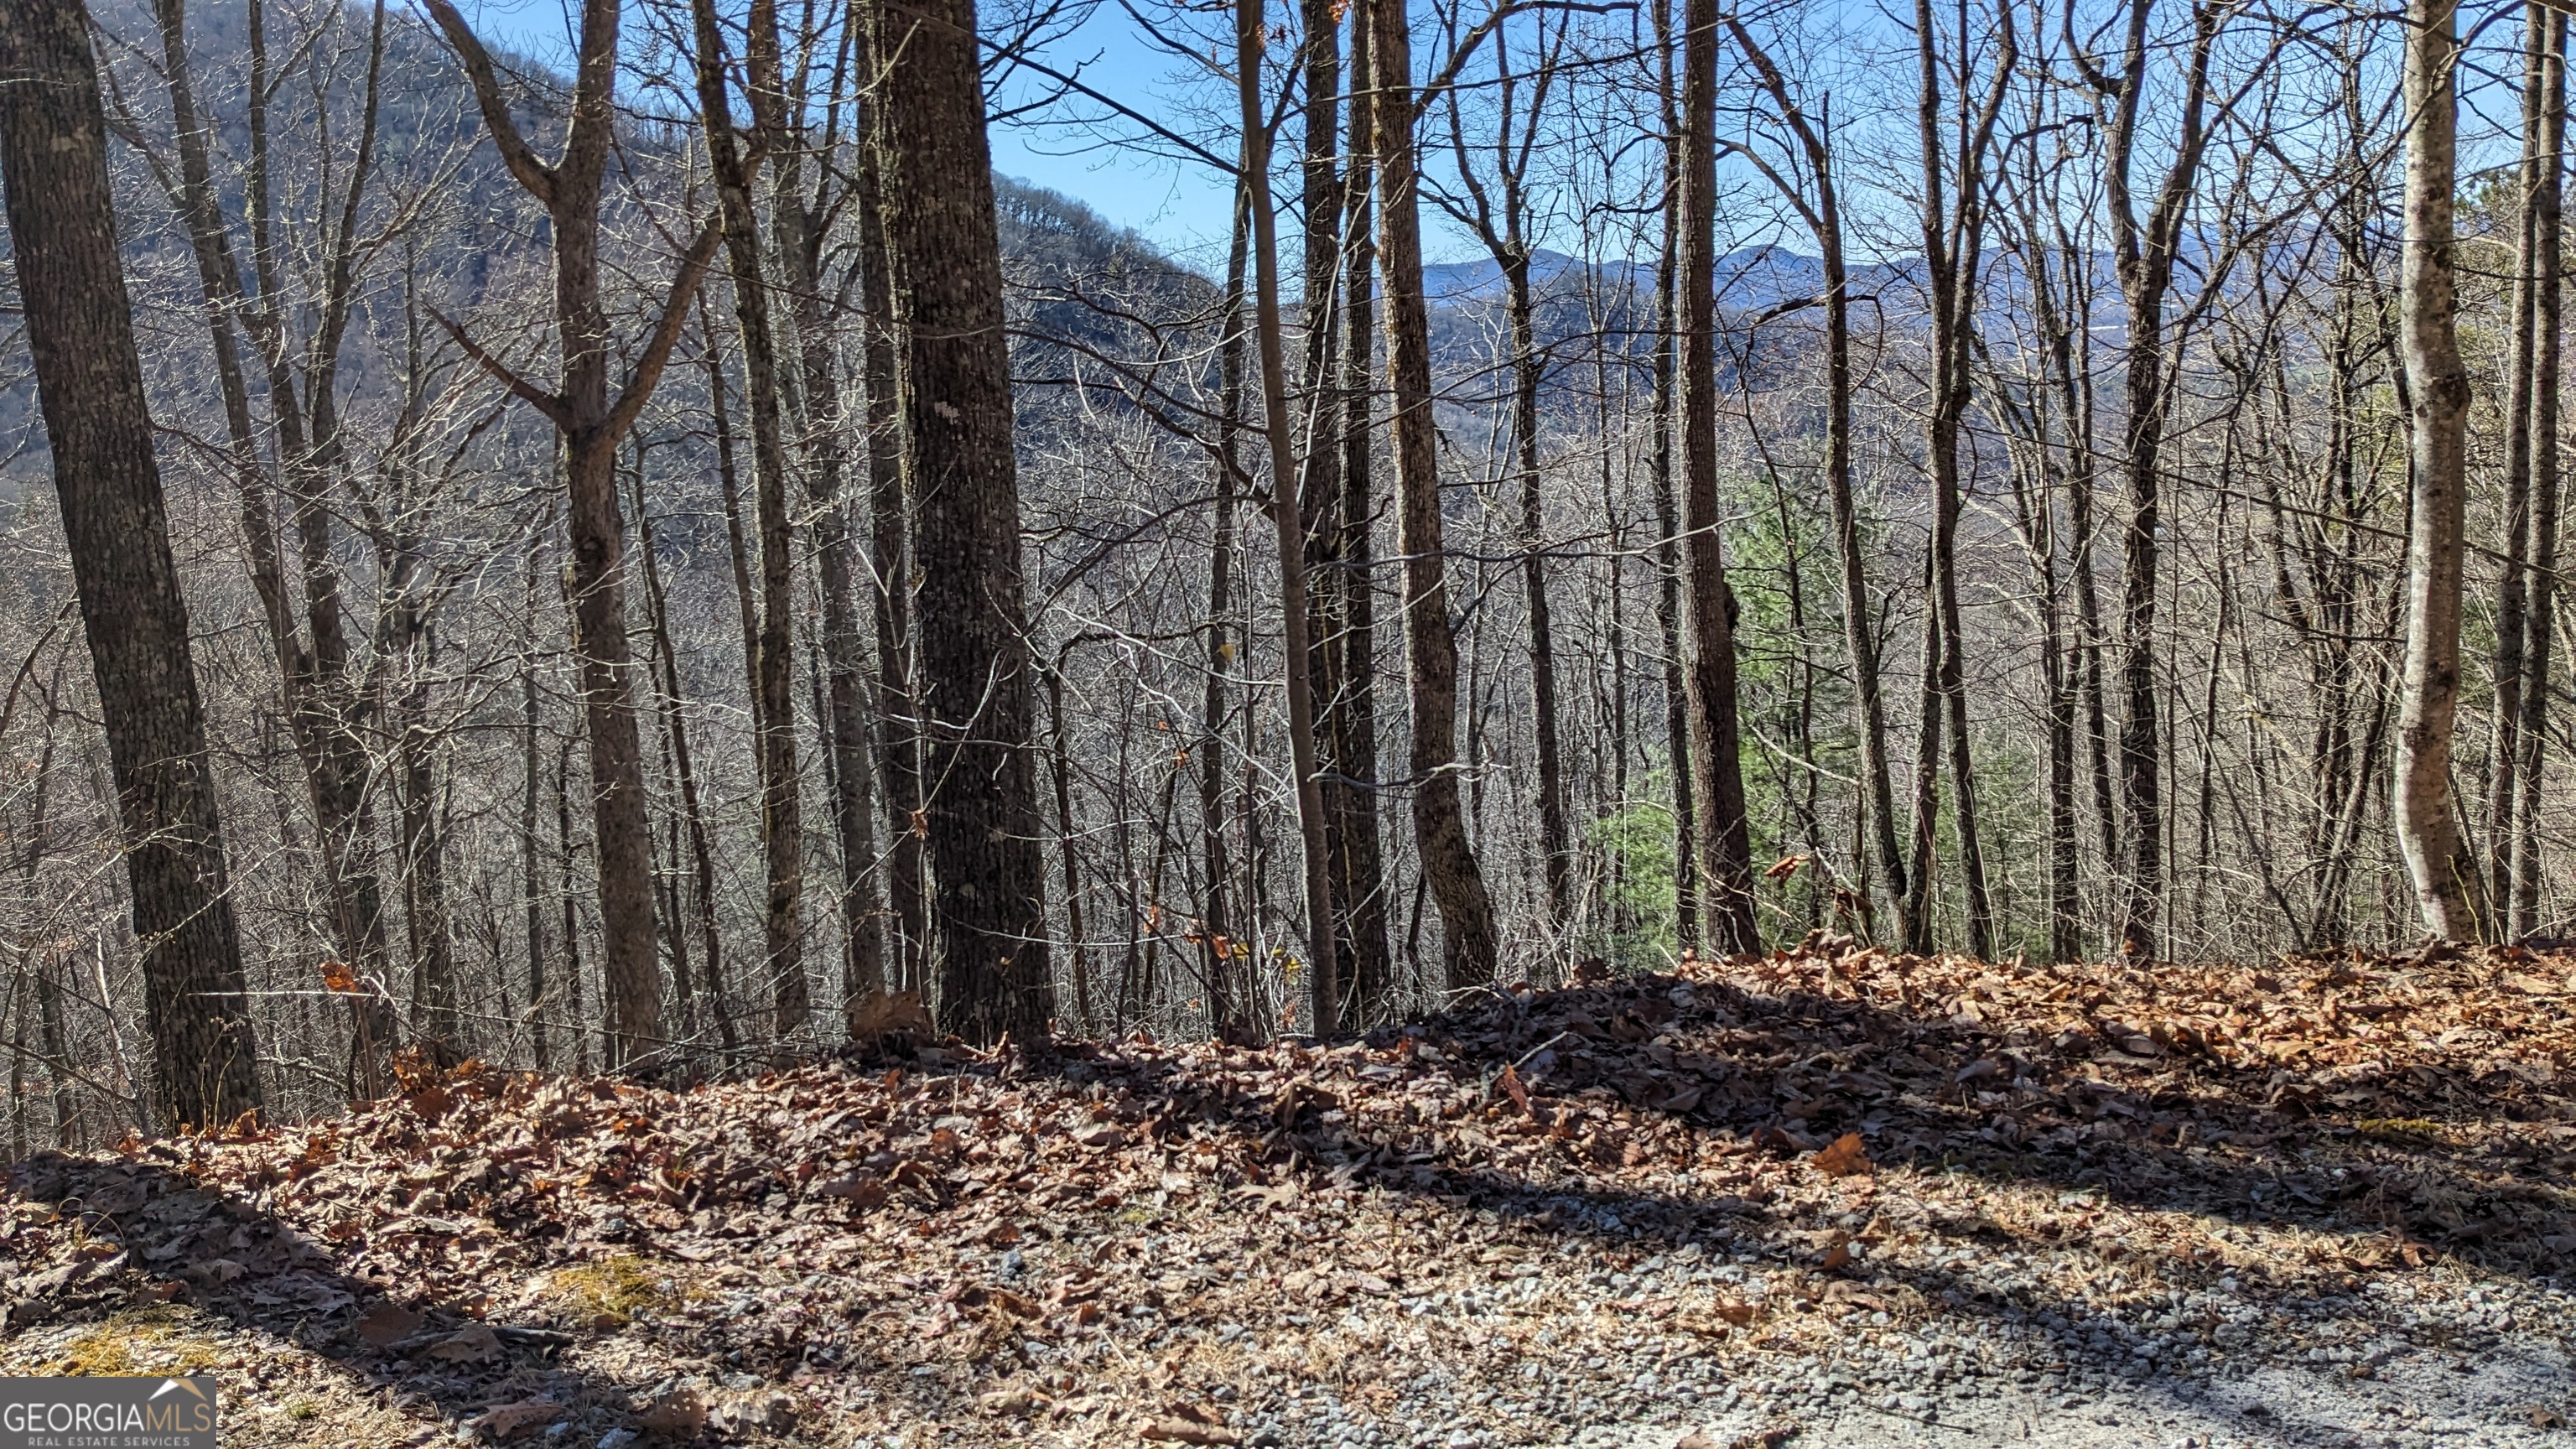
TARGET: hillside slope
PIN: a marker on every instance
(1872, 1196)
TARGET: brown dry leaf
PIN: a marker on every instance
(1846, 1156)
(474, 1343)
(431, 1102)
(1738, 1314)
(385, 1325)
(858, 1189)
(680, 1414)
(1011, 1401)
(1514, 1088)
(1839, 1256)
(1846, 1291)
(503, 1420)
(1189, 1424)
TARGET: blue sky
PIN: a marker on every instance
(1181, 208)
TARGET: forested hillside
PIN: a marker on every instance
(1735, 722)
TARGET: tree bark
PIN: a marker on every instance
(1668, 530)
(2438, 388)
(1717, 771)
(590, 423)
(773, 666)
(1439, 824)
(956, 414)
(2540, 546)
(1359, 881)
(1288, 516)
(890, 558)
(2513, 586)
(89, 381)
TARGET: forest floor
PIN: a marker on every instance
(1831, 1197)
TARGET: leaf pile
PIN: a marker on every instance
(1126, 1238)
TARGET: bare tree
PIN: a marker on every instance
(89, 379)
(591, 423)
(1431, 651)
(980, 782)
(1725, 854)
(2438, 397)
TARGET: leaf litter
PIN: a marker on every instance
(1741, 1187)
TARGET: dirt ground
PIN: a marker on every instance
(1825, 1197)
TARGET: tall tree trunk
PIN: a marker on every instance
(1717, 772)
(2540, 545)
(683, 760)
(1219, 928)
(1528, 375)
(1668, 529)
(890, 558)
(1288, 515)
(531, 888)
(1359, 882)
(802, 223)
(590, 423)
(956, 404)
(1825, 221)
(89, 382)
(313, 681)
(2144, 252)
(1953, 239)
(2504, 754)
(2438, 388)
(1439, 824)
(773, 667)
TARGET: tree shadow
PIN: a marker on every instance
(1627, 1109)
(1635, 1116)
(134, 1241)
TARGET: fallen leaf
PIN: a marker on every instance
(680, 1414)
(474, 1343)
(1185, 1424)
(1846, 1291)
(1845, 1157)
(859, 1190)
(503, 1420)
(386, 1325)
(1010, 1401)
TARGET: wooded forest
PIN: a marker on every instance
(1718, 725)
(667, 562)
